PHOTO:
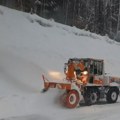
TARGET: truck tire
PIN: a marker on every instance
(72, 99)
(90, 98)
(112, 95)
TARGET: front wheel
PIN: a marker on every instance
(112, 95)
(72, 99)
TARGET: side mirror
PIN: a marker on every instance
(65, 67)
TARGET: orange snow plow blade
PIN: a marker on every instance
(49, 84)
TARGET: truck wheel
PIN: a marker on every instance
(72, 99)
(90, 98)
(93, 98)
(112, 95)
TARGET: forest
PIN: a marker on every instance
(97, 16)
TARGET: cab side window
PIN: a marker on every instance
(96, 68)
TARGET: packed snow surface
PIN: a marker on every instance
(31, 46)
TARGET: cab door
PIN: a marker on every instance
(96, 72)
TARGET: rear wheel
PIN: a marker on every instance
(93, 98)
(90, 98)
(112, 95)
(72, 99)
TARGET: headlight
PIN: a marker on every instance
(85, 73)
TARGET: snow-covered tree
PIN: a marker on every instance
(99, 16)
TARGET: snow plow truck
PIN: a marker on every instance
(85, 80)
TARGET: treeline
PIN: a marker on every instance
(98, 16)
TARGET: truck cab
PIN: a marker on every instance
(94, 67)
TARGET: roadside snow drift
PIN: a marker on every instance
(31, 46)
